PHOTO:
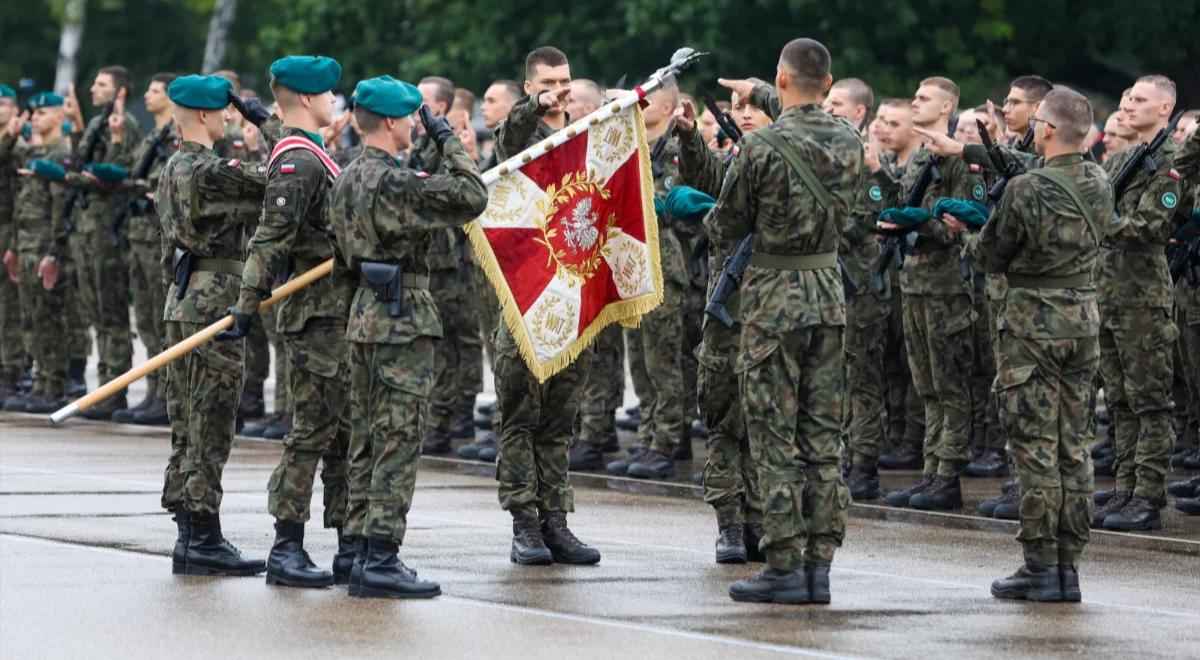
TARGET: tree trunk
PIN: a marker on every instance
(68, 44)
(218, 35)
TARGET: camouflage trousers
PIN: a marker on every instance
(389, 393)
(262, 338)
(79, 336)
(1188, 320)
(1136, 362)
(694, 299)
(205, 385)
(149, 298)
(985, 422)
(659, 341)
(103, 285)
(458, 355)
(13, 348)
(605, 387)
(44, 319)
(792, 387)
(866, 410)
(1047, 406)
(487, 308)
(320, 375)
(730, 476)
(937, 334)
(539, 419)
(905, 409)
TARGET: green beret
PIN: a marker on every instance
(106, 172)
(387, 96)
(307, 74)
(973, 214)
(7, 92)
(45, 100)
(47, 169)
(200, 92)
(688, 204)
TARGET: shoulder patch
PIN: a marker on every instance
(735, 151)
(287, 168)
(422, 175)
(239, 144)
(234, 163)
(975, 169)
(1174, 174)
(175, 144)
(675, 161)
(281, 201)
(977, 192)
(1169, 200)
(875, 193)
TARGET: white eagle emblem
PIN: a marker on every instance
(581, 233)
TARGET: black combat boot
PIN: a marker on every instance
(470, 451)
(585, 456)
(462, 423)
(356, 569)
(631, 421)
(1114, 505)
(991, 463)
(731, 544)
(1069, 577)
(209, 553)
(863, 482)
(901, 497)
(258, 429)
(564, 547)
(76, 380)
(753, 533)
(126, 416)
(280, 429)
(1189, 488)
(818, 582)
(1101, 497)
(435, 442)
(385, 576)
(343, 559)
(483, 420)
(1190, 506)
(772, 586)
(652, 464)
(8, 382)
(288, 565)
(154, 414)
(1139, 514)
(699, 429)
(105, 409)
(44, 403)
(620, 467)
(944, 494)
(1008, 507)
(906, 456)
(528, 547)
(17, 402)
(608, 440)
(489, 448)
(683, 448)
(252, 405)
(183, 524)
(1031, 583)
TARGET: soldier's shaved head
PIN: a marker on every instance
(1162, 84)
(860, 93)
(586, 96)
(806, 62)
(440, 90)
(544, 56)
(948, 88)
(1035, 87)
(1069, 111)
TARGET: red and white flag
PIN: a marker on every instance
(569, 241)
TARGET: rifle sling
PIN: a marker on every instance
(1066, 185)
(792, 156)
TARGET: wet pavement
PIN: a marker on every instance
(84, 572)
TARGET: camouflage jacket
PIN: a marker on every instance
(1187, 159)
(38, 205)
(102, 198)
(233, 145)
(381, 211)
(447, 241)
(671, 240)
(1038, 231)
(344, 157)
(763, 194)
(932, 265)
(294, 227)
(8, 190)
(145, 228)
(201, 200)
(1133, 269)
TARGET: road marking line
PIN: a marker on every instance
(419, 516)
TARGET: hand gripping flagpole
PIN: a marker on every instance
(680, 60)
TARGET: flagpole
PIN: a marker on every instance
(680, 60)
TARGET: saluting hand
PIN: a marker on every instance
(740, 87)
(940, 143)
(13, 128)
(116, 121)
(71, 108)
(685, 116)
(871, 157)
(554, 99)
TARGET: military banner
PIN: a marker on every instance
(569, 239)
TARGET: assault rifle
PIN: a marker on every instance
(1185, 259)
(93, 148)
(137, 205)
(1142, 159)
(930, 173)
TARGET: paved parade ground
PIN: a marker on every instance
(84, 572)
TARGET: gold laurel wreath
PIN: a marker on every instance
(573, 184)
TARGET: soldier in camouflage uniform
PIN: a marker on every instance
(790, 185)
(938, 311)
(1138, 334)
(1044, 237)
(294, 228)
(459, 353)
(384, 217)
(538, 419)
(197, 199)
(140, 237)
(730, 479)
(40, 248)
(12, 350)
(103, 280)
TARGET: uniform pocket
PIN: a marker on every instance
(409, 367)
(756, 347)
(1013, 407)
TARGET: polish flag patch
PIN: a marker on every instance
(736, 150)
(422, 175)
(675, 160)
(975, 169)
(234, 162)
(287, 168)
(239, 144)
(1174, 174)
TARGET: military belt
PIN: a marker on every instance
(1079, 281)
(407, 280)
(794, 261)
(226, 266)
(1137, 249)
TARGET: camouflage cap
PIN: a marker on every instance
(200, 92)
(307, 74)
(45, 100)
(387, 96)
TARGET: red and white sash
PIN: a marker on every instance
(298, 142)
